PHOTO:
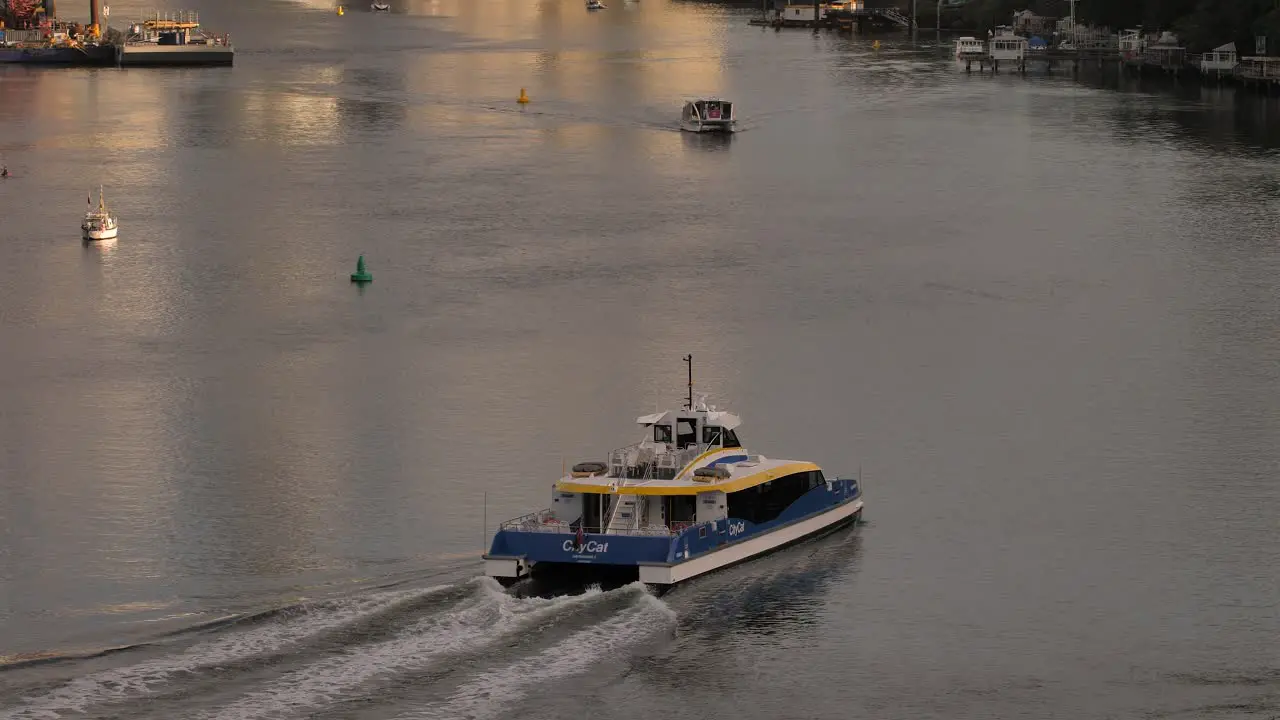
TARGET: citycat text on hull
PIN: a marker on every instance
(688, 498)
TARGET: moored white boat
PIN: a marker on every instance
(380, 7)
(595, 5)
(686, 500)
(708, 115)
(99, 223)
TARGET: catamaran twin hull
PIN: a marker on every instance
(526, 545)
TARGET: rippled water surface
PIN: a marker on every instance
(1037, 314)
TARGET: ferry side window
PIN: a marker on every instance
(686, 433)
(662, 433)
(710, 435)
(731, 439)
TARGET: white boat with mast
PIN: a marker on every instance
(685, 500)
(99, 223)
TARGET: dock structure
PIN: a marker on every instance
(161, 39)
(1219, 63)
(838, 15)
(1056, 57)
(1165, 55)
(174, 38)
(1134, 50)
(1262, 73)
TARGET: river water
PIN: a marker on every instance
(1037, 314)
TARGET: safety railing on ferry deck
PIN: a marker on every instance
(545, 521)
(634, 462)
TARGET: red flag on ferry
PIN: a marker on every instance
(581, 537)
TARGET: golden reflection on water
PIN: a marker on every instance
(158, 145)
(290, 118)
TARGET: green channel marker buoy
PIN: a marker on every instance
(361, 275)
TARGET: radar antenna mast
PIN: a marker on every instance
(688, 359)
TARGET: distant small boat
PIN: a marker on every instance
(99, 224)
(708, 115)
(380, 7)
(595, 5)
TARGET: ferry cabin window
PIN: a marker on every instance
(731, 439)
(686, 433)
(765, 502)
(710, 435)
(662, 433)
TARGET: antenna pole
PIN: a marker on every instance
(484, 532)
(689, 361)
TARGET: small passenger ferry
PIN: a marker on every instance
(687, 499)
(708, 115)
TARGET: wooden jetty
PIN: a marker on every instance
(1262, 73)
(1055, 57)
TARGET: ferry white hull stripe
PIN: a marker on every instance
(671, 574)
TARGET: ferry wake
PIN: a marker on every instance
(685, 500)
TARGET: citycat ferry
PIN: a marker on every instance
(687, 499)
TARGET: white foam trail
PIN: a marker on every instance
(477, 622)
(142, 678)
(486, 695)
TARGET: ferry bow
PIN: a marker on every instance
(687, 499)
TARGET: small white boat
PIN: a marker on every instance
(99, 223)
(380, 7)
(685, 500)
(970, 48)
(708, 115)
(595, 5)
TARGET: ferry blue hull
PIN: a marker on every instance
(666, 559)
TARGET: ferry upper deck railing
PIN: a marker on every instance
(642, 461)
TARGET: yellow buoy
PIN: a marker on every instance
(523, 97)
(875, 45)
(340, 11)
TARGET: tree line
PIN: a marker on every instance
(1200, 24)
